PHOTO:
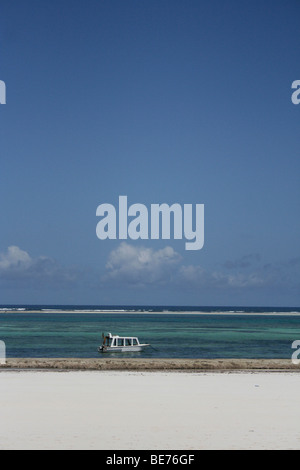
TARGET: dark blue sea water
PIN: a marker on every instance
(174, 332)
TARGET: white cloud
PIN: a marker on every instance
(15, 258)
(141, 266)
(16, 265)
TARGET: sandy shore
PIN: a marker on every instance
(149, 410)
(151, 364)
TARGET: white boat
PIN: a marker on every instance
(115, 343)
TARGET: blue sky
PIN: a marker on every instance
(166, 102)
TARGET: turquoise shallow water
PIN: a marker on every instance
(178, 334)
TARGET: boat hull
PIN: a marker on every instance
(123, 349)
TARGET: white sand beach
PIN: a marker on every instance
(149, 410)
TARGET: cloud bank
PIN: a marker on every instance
(137, 266)
(17, 266)
(134, 267)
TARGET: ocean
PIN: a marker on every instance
(173, 332)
